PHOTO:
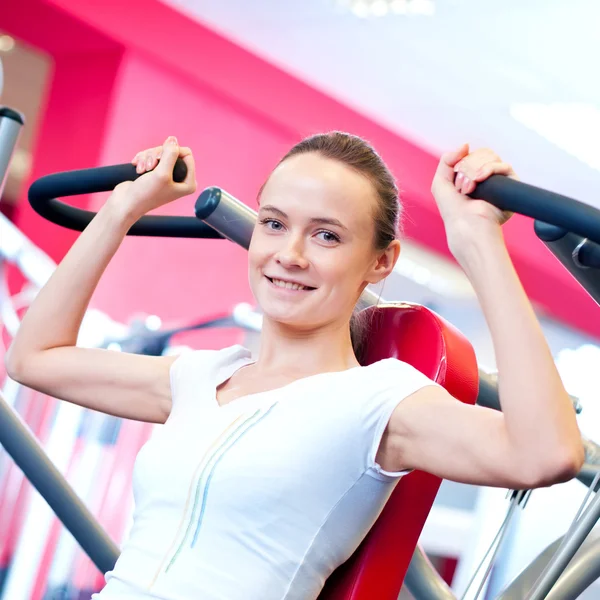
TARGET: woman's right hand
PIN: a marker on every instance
(155, 187)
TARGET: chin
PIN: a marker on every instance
(284, 315)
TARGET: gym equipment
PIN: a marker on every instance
(418, 336)
(43, 192)
(11, 123)
(499, 191)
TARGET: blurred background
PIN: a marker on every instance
(241, 82)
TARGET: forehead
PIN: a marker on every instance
(322, 187)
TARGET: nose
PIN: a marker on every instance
(291, 253)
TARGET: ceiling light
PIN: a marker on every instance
(7, 43)
(573, 127)
(380, 8)
(422, 7)
(399, 7)
(360, 8)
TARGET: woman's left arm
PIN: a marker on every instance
(535, 440)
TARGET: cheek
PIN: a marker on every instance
(258, 256)
(254, 262)
(255, 248)
(347, 271)
(336, 274)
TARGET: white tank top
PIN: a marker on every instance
(262, 498)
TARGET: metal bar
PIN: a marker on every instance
(30, 457)
(583, 570)
(569, 548)
(423, 581)
(11, 123)
(573, 251)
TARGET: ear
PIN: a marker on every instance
(385, 261)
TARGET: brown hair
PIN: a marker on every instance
(359, 155)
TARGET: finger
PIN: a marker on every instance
(454, 156)
(445, 167)
(458, 181)
(170, 153)
(493, 168)
(475, 160)
(468, 185)
(189, 183)
(152, 157)
(141, 162)
(141, 157)
(144, 160)
(185, 152)
(150, 161)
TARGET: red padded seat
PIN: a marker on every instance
(418, 336)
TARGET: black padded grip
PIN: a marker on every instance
(44, 192)
(549, 207)
(9, 113)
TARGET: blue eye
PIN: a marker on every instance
(329, 236)
(272, 224)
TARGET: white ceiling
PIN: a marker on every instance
(439, 80)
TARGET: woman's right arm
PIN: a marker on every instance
(44, 355)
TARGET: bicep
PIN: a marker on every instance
(433, 432)
(125, 385)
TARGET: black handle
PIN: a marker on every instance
(44, 192)
(9, 113)
(549, 207)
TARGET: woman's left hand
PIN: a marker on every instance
(457, 175)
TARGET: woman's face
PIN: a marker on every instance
(312, 252)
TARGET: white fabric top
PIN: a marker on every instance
(262, 498)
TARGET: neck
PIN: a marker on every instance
(302, 353)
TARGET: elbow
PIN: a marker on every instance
(10, 364)
(561, 467)
(14, 365)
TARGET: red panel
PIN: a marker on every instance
(179, 279)
(74, 113)
(51, 29)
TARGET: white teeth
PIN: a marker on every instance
(288, 285)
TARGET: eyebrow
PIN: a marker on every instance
(319, 220)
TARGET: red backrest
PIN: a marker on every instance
(416, 335)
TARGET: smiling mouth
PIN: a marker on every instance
(287, 285)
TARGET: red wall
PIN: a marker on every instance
(175, 278)
(128, 74)
(74, 113)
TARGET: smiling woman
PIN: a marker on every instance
(348, 231)
(269, 473)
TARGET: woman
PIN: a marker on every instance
(269, 473)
